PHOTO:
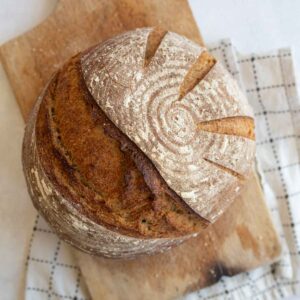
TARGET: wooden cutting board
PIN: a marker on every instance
(242, 239)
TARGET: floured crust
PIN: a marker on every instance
(146, 104)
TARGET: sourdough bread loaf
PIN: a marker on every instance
(137, 144)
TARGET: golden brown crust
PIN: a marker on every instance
(103, 173)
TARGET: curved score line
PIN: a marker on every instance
(239, 126)
(153, 42)
(225, 169)
(199, 69)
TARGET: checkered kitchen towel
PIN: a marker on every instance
(269, 82)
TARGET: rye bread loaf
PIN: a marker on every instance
(137, 144)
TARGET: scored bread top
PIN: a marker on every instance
(181, 108)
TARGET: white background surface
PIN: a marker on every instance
(253, 25)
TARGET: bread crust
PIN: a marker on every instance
(103, 185)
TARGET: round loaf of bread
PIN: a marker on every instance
(137, 144)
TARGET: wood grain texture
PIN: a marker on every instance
(242, 239)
